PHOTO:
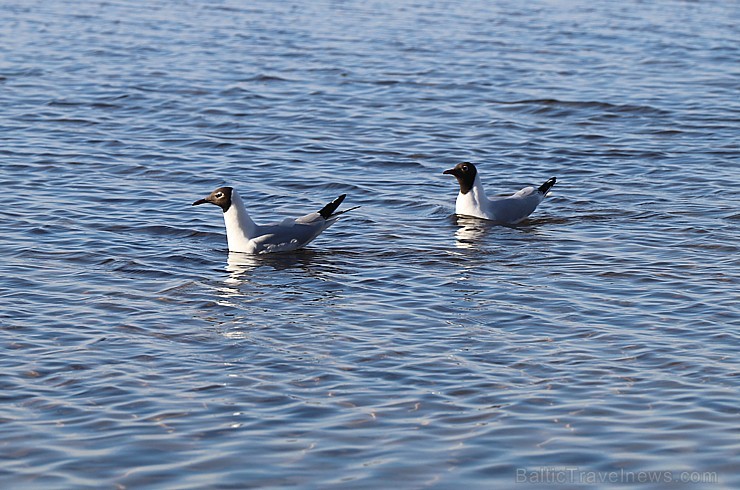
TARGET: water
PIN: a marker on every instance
(404, 347)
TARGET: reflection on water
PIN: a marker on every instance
(471, 231)
(250, 277)
(239, 264)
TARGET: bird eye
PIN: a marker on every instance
(219, 195)
(465, 168)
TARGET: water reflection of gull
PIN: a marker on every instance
(285, 281)
(239, 264)
(240, 267)
(470, 232)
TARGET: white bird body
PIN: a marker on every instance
(473, 201)
(244, 235)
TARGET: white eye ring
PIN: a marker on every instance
(219, 195)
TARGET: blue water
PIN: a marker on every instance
(405, 348)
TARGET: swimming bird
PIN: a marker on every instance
(472, 199)
(244, 235)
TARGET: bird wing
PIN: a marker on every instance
(309, 219)
(527, 191)
(328, 213)
(287, 235)
(294, 233)
(516, 207)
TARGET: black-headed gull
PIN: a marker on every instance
(244, 235)
(472, 199)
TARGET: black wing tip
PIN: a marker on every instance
(329, 209)
(547, 185)
(345, 211)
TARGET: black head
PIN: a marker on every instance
(221, 197)
(465, 173)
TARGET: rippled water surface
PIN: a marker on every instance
(405, 347)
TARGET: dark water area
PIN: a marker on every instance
(406, 347)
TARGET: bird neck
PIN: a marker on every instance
(473, 202)
(239, 226)
(476, 192)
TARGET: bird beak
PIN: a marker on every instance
(200, 201)
(451, 171)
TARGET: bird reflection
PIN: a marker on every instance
(242, 269)
(239, 264)
(470, 232)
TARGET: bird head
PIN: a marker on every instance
(221, 197)
(465, 173)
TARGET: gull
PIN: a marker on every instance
(472, 199)
(244, 235)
